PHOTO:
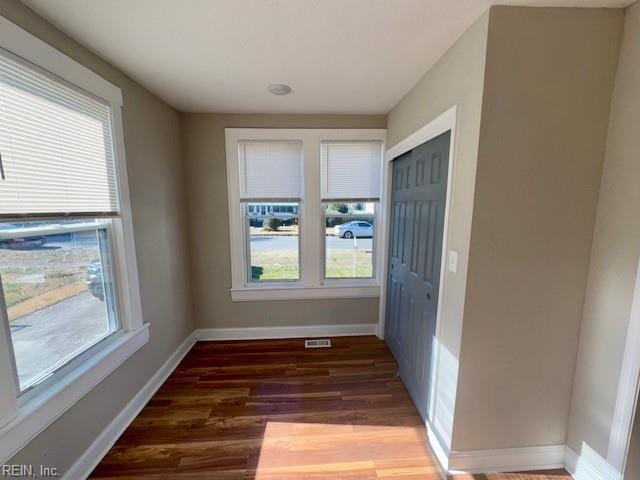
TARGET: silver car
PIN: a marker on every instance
(356, 228)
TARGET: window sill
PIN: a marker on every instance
(38, 412)
(262, 293)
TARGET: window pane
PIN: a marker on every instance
(58, 288)
(349, 239)
(273, 241)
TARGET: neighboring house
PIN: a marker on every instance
(364, 209)
(257, 212)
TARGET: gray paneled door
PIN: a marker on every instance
(415, 250)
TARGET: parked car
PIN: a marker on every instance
(94, 279)
(20, 243)
(356, 228)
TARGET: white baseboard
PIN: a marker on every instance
(589, 465)
(261, 333)
(83, 467)
(507, 459)
(439, 448)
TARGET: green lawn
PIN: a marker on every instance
(276, 264)
(28, 274)
(283, 264)
(16, 293)
(349, 264)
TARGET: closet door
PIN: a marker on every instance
(415, 253)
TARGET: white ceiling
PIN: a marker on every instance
(339, 56)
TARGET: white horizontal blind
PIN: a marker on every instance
(351, 170)
(56, 145)
(270, 170)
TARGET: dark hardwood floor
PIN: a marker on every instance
(272, 410)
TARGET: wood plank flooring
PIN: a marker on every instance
(272, 410)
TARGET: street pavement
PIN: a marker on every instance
(42, 338)
(282, 242)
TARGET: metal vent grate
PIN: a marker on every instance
(318, 343)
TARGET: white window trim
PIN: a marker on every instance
(311, 284)
(624, 412)
(21, 421)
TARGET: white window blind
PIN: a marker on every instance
(270, 170)
(56, 146)
(351, 170)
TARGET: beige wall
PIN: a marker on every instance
(152, 138)
(547, 91)
(614, 257)
(204, 143)
(456, 79)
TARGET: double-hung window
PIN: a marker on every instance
(69, 297)
(270, 191)
(303, 208)
(351, 173)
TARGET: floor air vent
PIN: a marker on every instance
(318, 343)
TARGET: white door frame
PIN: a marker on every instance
(444, 122)
(629, 383)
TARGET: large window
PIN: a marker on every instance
(69, 301)
(57, 158)
(303, 206)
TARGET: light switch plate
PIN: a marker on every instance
(453, 261)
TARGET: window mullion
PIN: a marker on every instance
(8, 373)
(311, 238)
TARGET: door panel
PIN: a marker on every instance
(417, 224)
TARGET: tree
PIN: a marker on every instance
(339, 207)
(256, 272)
(271, 224)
